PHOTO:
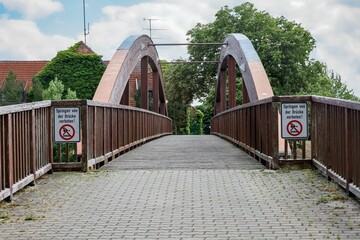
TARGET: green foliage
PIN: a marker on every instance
(62, 156)
(283, 46)
(208, 112)
(325, 82)
(196, 122)
(54, 91)
(36, 91)
(79, 72)
(188, 121)
(70, 94)
(11, 91)
(137, 97)
(179, 95)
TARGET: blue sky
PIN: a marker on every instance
(37, 29)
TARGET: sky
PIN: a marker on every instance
(38, 29)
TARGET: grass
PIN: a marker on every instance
(350, 224)
(4, 215)
(323, 199)
(329, 187)
(338, 197)
(31, 217)
(289, 168)
(10, 206)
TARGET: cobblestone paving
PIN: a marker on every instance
(194, 202)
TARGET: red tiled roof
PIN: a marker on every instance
(24, 70)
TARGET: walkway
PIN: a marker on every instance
(182, 187)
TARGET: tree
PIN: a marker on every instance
(196, 122)
(12, 90)
(178, 84)
(325, 82)
(79, 72)
(283, 46)
(36, 91)
(54, 91)
(70, 94)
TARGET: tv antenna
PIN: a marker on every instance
(86, 31)
(150, 20)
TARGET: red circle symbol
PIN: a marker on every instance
(294, 128)
(67, 132)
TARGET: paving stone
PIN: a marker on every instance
(183, 187)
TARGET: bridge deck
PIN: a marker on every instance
(190, 187)
(185, 152)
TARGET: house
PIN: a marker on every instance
(26, 70)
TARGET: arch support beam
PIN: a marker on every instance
(221, 103)
(144, 83)
(232, 82)
(156, 91)
(239, 50)
(114, 84)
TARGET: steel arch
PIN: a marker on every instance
(116, 76)
(257, 84)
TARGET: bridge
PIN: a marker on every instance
(146, 183)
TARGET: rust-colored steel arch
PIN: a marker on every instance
(114, 84)
(239, 50)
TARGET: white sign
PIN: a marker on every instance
(67, 124)
(294, 121)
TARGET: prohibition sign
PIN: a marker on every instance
(67, 132)
(294, 128)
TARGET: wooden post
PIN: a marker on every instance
(10, 156)
(348, 176)
(313, 133)
(84, 135)
(51, 139)
(275, 135)
(33, 146)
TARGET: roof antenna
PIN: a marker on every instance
(150, 26)
(86, 31)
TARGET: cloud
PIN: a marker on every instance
(22, 39)
(120, 22)
(33, 9)
(334, 25)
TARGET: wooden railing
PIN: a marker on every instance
(25, 145)
(335, 140)
(114, 129)
(332, 146)
(107, 130)
(253, 127)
